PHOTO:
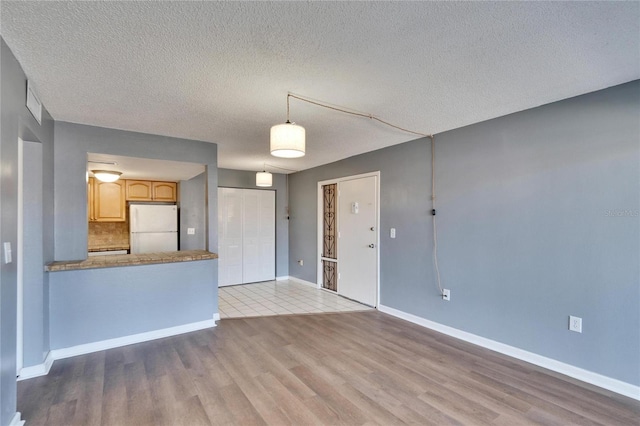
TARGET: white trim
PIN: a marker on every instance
(320, 229)
(130, 340)
(282, 278)
(301, 281)
(37, 370)
(15, 420)
(20, 262)
(43, 369)
(586, 376)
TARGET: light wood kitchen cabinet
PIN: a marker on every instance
(165, 191)
(145, 190)
(106, 201)
(139, 190)
(90, 210)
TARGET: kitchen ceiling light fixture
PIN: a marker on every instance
(288, 139)
(106, 175)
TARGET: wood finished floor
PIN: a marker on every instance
(361, 368)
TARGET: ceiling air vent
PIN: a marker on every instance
(33, 103)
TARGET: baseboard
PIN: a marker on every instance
(301, 281)
(43, 369)
(15, 420)
(283, 278)
(37, 370)
(130, 340)
(586, 376)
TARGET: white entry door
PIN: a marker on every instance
(357, 241)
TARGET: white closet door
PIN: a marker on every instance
(267, 235)
(230, 236)
(247, 236)
(258, 240)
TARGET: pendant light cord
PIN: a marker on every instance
(281, 168)
(433, 212)
(288, 95)
(386, 123)
(346, 111)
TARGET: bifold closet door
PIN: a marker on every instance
(246, 224)
(259, 236)
(230, 236)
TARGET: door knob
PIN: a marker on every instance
(372, 228)
(371, 245)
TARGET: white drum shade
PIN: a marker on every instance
(264, 179)
(287, 140)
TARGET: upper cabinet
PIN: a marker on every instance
(144, 190)
(164, 191)
(139, 190)
(106, 201)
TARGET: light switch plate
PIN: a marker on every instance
(7, 252)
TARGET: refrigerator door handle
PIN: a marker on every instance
(135, 218)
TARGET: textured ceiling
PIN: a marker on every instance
(220, 71)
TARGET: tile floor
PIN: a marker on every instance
(280, 298)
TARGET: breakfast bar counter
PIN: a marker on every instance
(131, 260)
(106, 301)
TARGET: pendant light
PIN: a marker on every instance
(264, 179)
(288, 139)
(106, 175)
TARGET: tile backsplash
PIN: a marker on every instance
(108, 234)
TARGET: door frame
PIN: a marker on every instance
(320, 227)
(19, 261)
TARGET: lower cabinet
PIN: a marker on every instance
(247, 230)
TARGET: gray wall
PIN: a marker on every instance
(16, 121)
(192, 213)
(98, 304)
(35, 344)
(245, 179)
(74, 141)
(537, 220)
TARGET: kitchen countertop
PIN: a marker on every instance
(108, 248)
(131, 260)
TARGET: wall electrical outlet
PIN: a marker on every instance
(446, 294)
(575, 324)
(392, 233)
(301, 262)
(191, 231)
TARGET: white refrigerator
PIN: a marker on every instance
(153, 228)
